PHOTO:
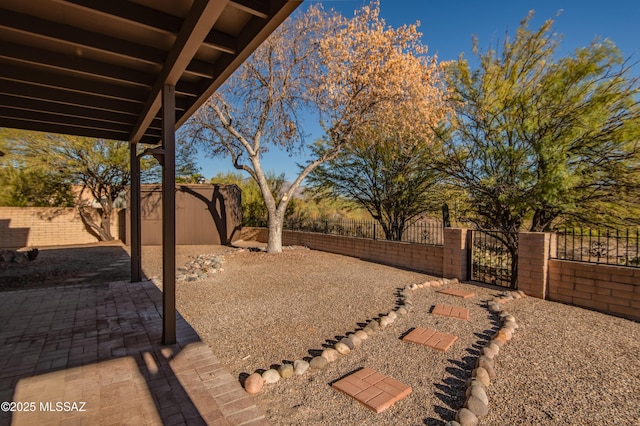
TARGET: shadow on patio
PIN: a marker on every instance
(96, 347)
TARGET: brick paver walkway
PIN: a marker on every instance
(451, 311)
(431, 338)
(95, 348)
(457, 293)
(372, 389)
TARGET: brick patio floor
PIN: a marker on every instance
(96, 348)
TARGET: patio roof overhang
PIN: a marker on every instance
(130, 70)
(97, 67)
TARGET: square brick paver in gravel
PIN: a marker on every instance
(457, 293)
(432, 338)
(372, 389)
(451, 311)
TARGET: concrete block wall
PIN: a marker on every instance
(606, 288)
(455, 254)
(534, 251)
(46, 226)
(417, 257)
(260, 235)
(449, 260)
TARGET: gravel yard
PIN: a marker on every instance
(565, 365)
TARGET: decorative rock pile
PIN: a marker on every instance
(201, 267)
(477, 403)
(354, 339)
(13, 256)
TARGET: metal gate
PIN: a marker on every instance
(490, 260)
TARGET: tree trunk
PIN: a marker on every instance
(105, 225)
(274, 224)
(103, 230)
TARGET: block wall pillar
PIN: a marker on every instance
(534, 251)
(455, 253)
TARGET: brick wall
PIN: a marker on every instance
(419, 257)
(46, 226)
(606, 288)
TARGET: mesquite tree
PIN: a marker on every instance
(99, 168)
(390, 176)
(536, 138)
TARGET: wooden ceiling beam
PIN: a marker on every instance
(63, 97)
(75, 65)
(62, 81)
(150, 18)
(26, 104)
(202, 16)
(78, 38)
(259, 9)
(55, 127)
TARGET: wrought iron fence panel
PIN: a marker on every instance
(424, 232)
(606, 246)
(491, 261)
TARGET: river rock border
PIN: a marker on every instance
(477, 402)
(256, 381)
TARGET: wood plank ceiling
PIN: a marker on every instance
(97, 67)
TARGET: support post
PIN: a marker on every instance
(135, 224)
(534, 251)
(168, 217)
(455, 254)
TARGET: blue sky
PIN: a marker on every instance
(448, 27)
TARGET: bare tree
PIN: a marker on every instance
(349, 72)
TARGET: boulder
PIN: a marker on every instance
(318, 363)
(361, 334)
(348, 342)
(342, 348)
(330, 354)
(489, 352)
(254, 383)
(286, 371)
(483, 360)
(482, 375)
(385, 321)
(300, 367)
(356, 341)
(487, 364)
(271, 376)
(374, 325)
(466, 417)
(476, 406)
(479, 392)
